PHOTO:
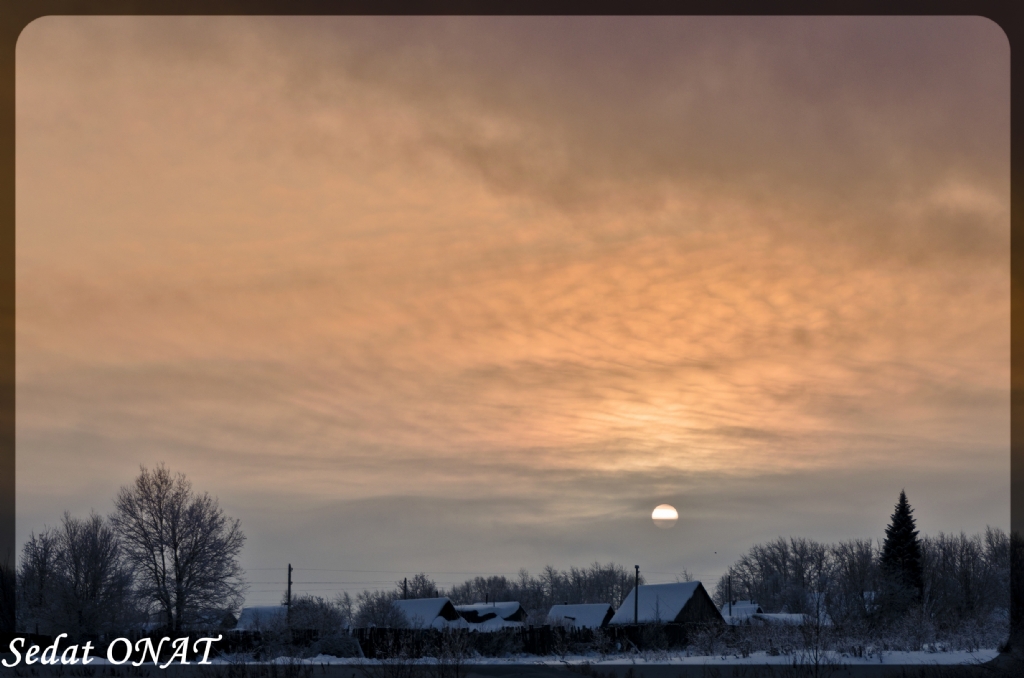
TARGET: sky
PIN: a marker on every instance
(468, 295)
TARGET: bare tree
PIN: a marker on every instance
(595, 584)
(317, 614)
(183, 547)
(452, 650)
(36, 574)
(420, 586)
(74, 578)
(378, 609)
(343, 601)
(316, 626)
(94, 583)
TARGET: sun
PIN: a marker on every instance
(664, 516)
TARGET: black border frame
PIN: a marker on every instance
(1007, 14)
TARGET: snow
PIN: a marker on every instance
(920, 658)
(788, 619)
(781, 618)
(503, 610)
(494, 624)
(658, 603)
(426, 613)
(590, 616)
(741, 609)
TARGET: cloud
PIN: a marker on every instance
(573, 259)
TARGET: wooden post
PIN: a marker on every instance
(636, 597)
(288, 599)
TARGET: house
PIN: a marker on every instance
(589, 616)
(741, 611)
(791, 618)
(261, 617)
(430, 613)
(492, 616)
(678, 603)
(779, 619)
(816, 613)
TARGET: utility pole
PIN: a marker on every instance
(636, 597)
(730, 595)
(405, 589)
(288, 599)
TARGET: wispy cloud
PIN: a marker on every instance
(292, 256)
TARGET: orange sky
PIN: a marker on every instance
(487, 291)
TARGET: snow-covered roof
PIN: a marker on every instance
(428, 612)
(657, 603)
(254, 618)
(493, 624)
(583, 616)
(741, 611)
(508, 610)
(790, 618)
(741, 608)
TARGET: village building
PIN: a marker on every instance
(678, 603)
(430, 613)
(740, 611)
(492, 616)
(583, 616)
(779, 619)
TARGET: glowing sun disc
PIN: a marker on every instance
(664, 515)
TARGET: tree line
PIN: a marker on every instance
(597, 583)
(166, 556)
(945, 581)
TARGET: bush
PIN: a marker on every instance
(336, 645)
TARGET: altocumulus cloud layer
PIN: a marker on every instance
(407, 293)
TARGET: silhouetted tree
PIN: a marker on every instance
(183, 547)
(75, 579)
(36, 573)
(377, 608)
(343, 601)
(420, 586)
(317, 614)
(595, 584)
(901, 550)
(94, 582)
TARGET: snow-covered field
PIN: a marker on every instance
(662, 658)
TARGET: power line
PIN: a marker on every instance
(479, 574)
(379, 581)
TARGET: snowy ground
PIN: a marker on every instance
(663, 658)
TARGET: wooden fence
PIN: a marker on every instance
(535, 640)
(413, 643)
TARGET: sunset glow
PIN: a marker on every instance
(486, 286)
(664, 515)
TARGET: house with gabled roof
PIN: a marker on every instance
(739, 611)
(581, 616)
(677, 603)
(430, 613)
(492, 616)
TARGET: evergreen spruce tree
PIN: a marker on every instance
(901, 551)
